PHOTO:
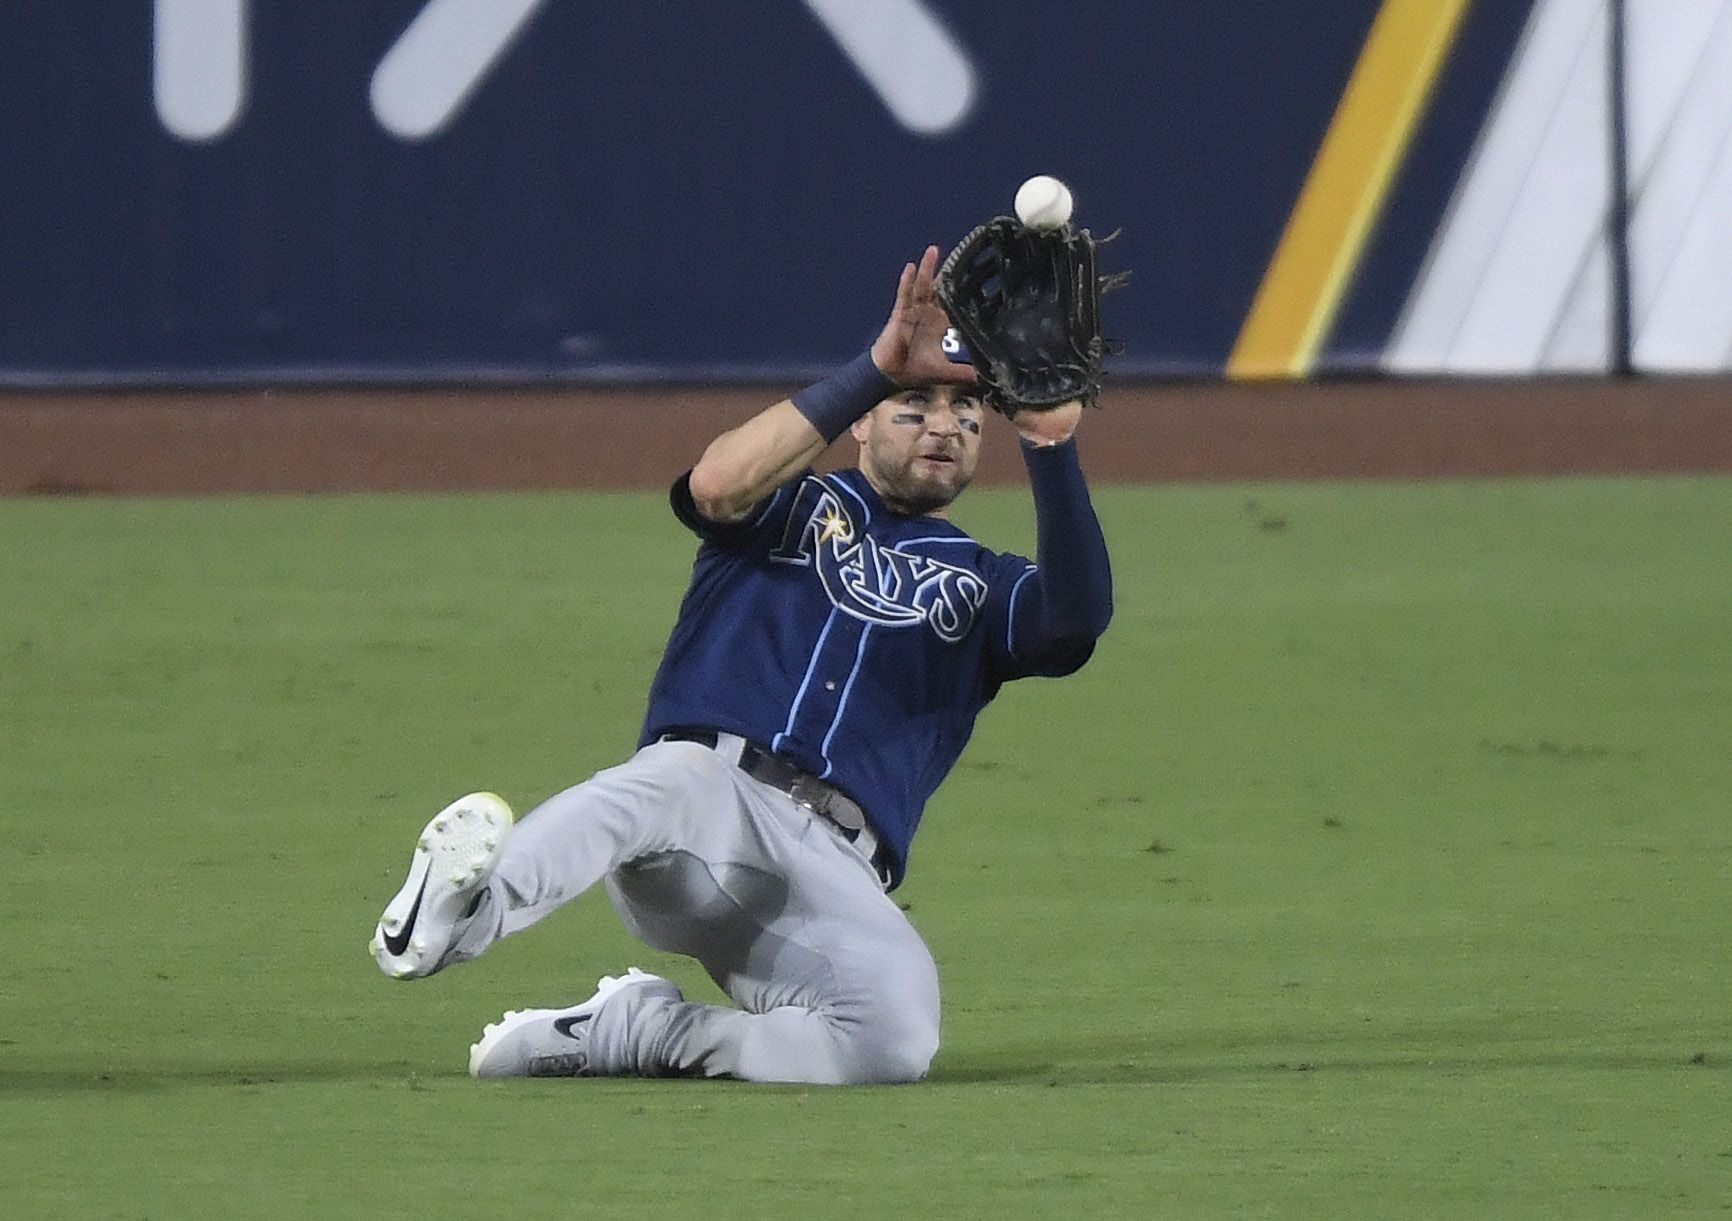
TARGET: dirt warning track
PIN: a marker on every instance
(339, 440)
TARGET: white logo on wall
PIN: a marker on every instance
(917, 69)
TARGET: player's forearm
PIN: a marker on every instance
(1075, 595)
(746, 464)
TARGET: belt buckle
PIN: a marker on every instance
(810, 795)
(827, 803)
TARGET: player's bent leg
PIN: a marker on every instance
(835, 986)
(834, 983)
(555, 1042)
(836, 1027)
(666, 796)
(791, 1045)
(640, 1025)
(880, 1012)
(453, 862)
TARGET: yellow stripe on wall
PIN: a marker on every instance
(1345, 190)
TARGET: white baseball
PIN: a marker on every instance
(1043, 202)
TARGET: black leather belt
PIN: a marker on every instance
(819, 796)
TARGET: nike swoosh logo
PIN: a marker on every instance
(396, 945)
(564, 1025)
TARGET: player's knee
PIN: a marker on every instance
(910, 1059)
(896, 1050)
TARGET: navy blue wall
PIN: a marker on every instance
(647, 189)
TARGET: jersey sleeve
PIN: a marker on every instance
(1017, 642)
(759, 528)
(1057, 608)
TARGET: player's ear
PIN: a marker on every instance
(860, 429)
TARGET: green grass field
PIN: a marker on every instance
(1377, 867)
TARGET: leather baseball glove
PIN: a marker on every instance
(1027, 303)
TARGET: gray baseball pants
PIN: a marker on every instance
(833, 984)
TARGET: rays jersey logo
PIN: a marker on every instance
(870, 581)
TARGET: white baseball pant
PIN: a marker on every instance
(833, 984)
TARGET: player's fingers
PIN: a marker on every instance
(905, 287)
(923, 281)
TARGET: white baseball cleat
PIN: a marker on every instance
(453, 862)
(553, 1042)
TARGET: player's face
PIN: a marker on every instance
(919, 448)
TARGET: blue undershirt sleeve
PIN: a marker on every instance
(1065, 604)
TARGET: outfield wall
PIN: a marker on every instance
(577, 191)
(582, 236)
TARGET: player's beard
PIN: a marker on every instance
(913, 486)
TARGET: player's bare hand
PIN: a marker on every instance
(909, 350)
(1051, 427)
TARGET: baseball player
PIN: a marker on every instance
(836, 643)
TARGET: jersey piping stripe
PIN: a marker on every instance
(935, 538)
(864, 508)
(842, 705)
(769, 505)
(1345, 191)
(1010, 617)
(794, 708)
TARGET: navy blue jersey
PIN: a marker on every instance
(858, 642)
